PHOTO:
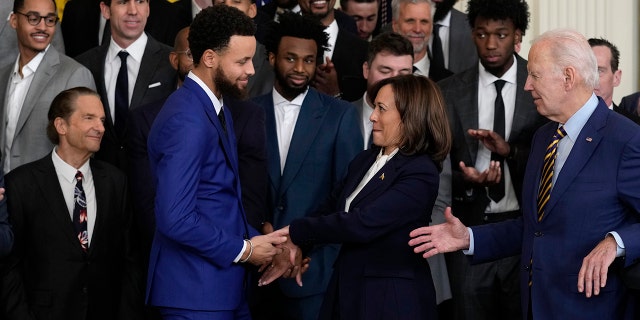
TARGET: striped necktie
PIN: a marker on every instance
(546, 180)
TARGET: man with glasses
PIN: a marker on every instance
(28, 86)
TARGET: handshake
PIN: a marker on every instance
(276, 256)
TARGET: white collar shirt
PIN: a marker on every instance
(286, 113)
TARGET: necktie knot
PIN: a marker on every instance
(499, 85)
(560, 133)
(123, 56)
(79, 176)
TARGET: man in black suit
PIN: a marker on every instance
(340, 74)
(83, 26)
(492, 128)
(453, 31)
(72, 257)
(148, 75)
(608, 58)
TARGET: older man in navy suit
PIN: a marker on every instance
(580, 204)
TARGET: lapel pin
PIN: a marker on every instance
(382, 176)
(589, 139)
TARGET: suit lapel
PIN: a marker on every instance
(103, 206)
(150, 60)
(522, 110)
(380, 181)
(47, 180)
(307, 127)
(586, 143)
(467, 109)
(43, 75)
(273, 154)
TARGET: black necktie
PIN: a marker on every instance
(122, 95)
(223, 121)
(496, 193)
(80, 212)
(437, 53)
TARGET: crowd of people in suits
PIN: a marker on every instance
(391, 159)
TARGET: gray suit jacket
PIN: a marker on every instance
(262, 81)
(462, 50)
(156, 81)
(9, 40)
(55, 73)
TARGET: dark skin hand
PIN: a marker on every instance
(326, 79)
(495, 143)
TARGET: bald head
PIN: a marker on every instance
(181, 58)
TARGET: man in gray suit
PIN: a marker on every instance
(148, 75)
(451, 28)
(492, 121)
(8, 39)
(28, 86)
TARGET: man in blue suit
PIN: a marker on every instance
(573, 237)
(202, 236)
(311, 138)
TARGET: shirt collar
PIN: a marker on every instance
(278, 99)
(31, 67)
(446, 21)
(574, 125)
(486, 79)
(67, 171)
(135, 50)
(217, 104)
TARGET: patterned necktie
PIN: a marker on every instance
(223, 121)
(496, 192)
(383, 13)
(121, 100)
(80, 212)
(546, 180)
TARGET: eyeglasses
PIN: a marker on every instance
(187, 53)
(34, 18)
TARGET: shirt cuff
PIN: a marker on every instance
(620, 251)
(244, 246)
(471, 249)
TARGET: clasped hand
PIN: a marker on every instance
(287, 264)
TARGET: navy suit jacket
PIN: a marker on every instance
(597, 191)
(156, 80)
(325, 140)
(200, 222)
(377, 275)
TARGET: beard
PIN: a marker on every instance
(442, 8)
(227, 87)
(289, 91)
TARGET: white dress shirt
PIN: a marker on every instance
(67, 179)
(443, 32)
(18, 89)
(286, 113)
(332, 31)
(112, 67)
(367, 125)
(486, 111)
(422, 66)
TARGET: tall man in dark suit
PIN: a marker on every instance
(580, 208)
(200, 221)
(451, 28)
(339, 74)
(131, 69)
(29, 84)
(492, 128)
(311, 138)
(72, 257)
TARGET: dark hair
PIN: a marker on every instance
(345, 3)
(19, 4)
(514, 10)
(298, 26)
(615, 53)
(425, 127)
(390, 42)
(213, 28)
(62, 106)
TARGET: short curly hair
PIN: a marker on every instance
(213, 28)
(515, 10)
(296, 26)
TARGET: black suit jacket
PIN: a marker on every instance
(49, 276)
(460, 92)
(166, 19)
(626, 113)
(630, 103)
(81, 26)
(156, 81)
(349, 55)
(249, 128)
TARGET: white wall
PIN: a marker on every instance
(614, 20)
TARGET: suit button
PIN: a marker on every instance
(538, 234)
(526, 268)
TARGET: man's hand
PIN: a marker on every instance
(489, 177)
(491, 140)
(288, 264)
(264, 247)
(449, 236)
(593, 273)
(326, 79)
(267, 228)
(1, 194)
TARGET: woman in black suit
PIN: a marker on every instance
(389, 190)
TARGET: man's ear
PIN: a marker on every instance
(60, 125)
(105, 10)
(272, 59)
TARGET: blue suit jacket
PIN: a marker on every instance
(200, 222)
(377, 275)
(597, 191)
(326, 138)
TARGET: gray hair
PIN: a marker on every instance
(395, 6)
(571, 48)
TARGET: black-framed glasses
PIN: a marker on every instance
(34, 18)
(187, 53)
